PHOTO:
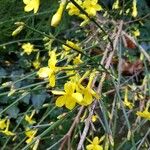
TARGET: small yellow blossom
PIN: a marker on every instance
(2, 123)
(77, 60)
(145, 114)
(91, 7)
(72, 9)
(136, 33)
(58, 15)
(116, 5)
(69, 97)
(126, 102)
(28, 48)
(88, 92)
(134, 9)
(29, 118)
(30, 134)
(31, 5)
(94, 118)
(6, 131)
(95, 144)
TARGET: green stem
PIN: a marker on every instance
(48, 130)
(60, 41)
(93, 20)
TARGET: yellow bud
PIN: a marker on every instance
(134, 9)
(17, 31)
(58, 15)
(19, 23)
(116, 5)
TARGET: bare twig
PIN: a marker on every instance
(138, 45)
(87, 122)
(68, 135)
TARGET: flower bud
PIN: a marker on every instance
(58, 15)
(17, 31)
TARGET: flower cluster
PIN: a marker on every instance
(90, 7)
(74, 92)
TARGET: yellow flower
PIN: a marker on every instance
(72, 9)
(28, 48)
(77, 60)
(88, 92)
(94, 144)
(136, 33)
(50, 70)
(30, 134)
(69, 96)
(94, 118)
(31, 5)
(134, 9)
(29, 118)
(126, 102)
(6, 131)
(2, 123)
(145, 114)
(91, 7)
(58, 15)
(116, 5)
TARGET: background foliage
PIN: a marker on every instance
(21, 91)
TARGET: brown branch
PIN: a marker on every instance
(87, 122)
(138, 19)
(138, 45)
(68, 134)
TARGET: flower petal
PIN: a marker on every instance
(60, 101)
(70, 103)
(90, 147)
(44, 72)
(52, 80)
(77, 96)
(96, 140)
(26, 1)
(28, 8)
(58, 92)
(69, 87)
(36, 5)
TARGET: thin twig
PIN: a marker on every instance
(68, 134)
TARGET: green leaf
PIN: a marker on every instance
(38, 99)
(26, 99)
(2, 74)
(13, 111)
